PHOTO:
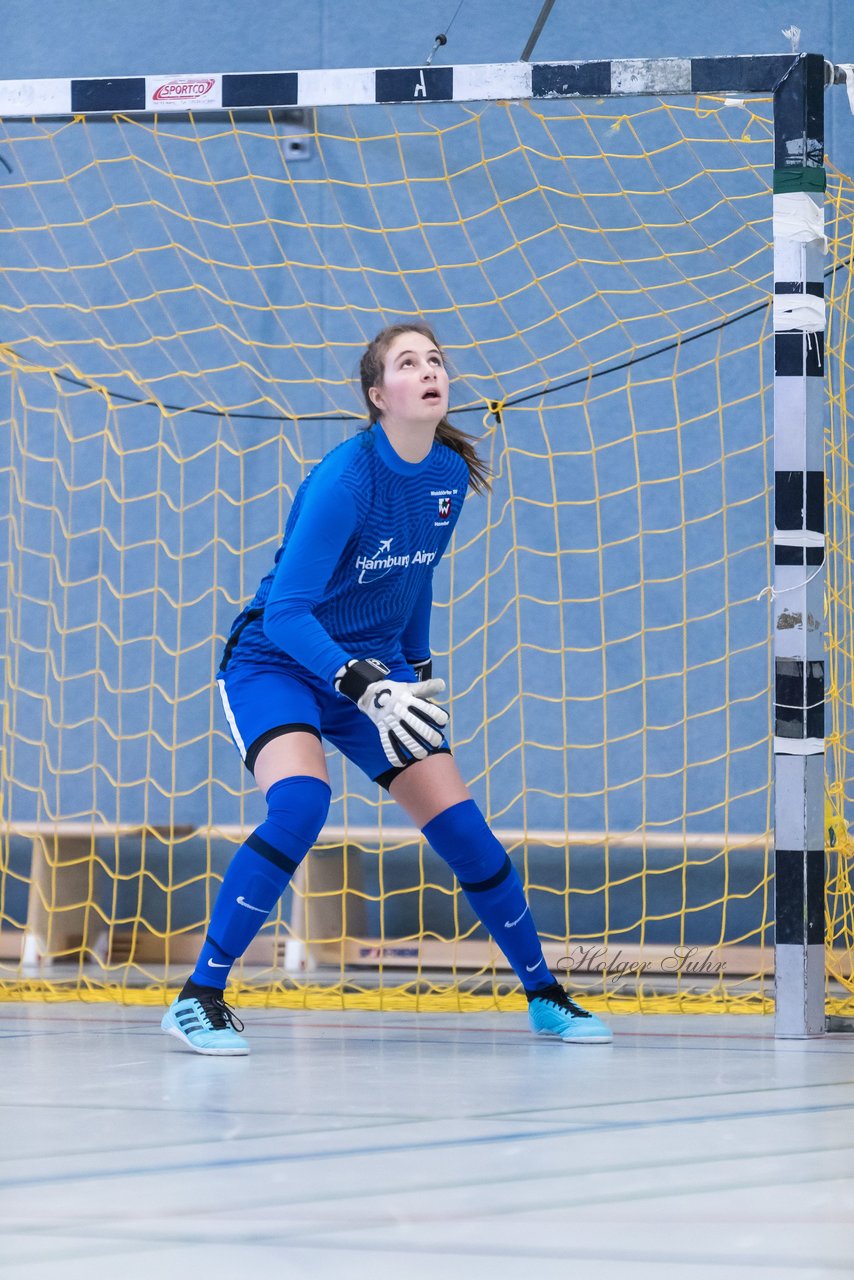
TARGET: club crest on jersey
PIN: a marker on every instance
(444, 508)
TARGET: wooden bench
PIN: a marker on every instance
(327, 925)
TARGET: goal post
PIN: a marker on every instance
(796, 84)
(799, 553)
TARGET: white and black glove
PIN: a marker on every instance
(408, 724)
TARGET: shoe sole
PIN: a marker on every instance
(553, 1035)
(208, 1053)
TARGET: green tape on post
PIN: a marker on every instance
(798, 178)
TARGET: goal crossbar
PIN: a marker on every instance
(349, 86)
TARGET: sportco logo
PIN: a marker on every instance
(183, 90)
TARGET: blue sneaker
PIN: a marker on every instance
(552, 1013)
(204, 1023)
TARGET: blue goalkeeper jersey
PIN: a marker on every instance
(353, 576)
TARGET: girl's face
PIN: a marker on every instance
(415, 383)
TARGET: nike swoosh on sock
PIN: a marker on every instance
(508, 924)
(241, 902)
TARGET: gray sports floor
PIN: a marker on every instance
(366, 1146)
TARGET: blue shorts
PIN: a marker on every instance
(262, 703)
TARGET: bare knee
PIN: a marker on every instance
(428, 788)
(290, 755)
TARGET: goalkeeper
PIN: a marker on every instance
(335, 645)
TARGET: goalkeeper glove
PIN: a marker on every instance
(408, 724)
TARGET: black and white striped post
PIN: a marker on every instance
(797, 82)
(799, 662)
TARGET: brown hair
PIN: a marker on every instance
(371, 373)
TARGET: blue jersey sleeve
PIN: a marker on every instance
(415, 640)
(327, 520)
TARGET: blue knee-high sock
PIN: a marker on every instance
(259, 872)
(491, 883)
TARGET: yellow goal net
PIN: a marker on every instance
(184, 302)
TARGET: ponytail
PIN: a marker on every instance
(464, 444)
